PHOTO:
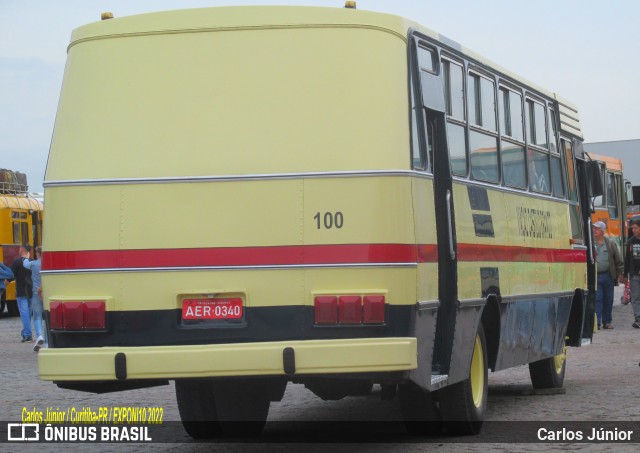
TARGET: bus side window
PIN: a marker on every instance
(431, 133)
(25, 232)
(426, 60)
(538, 151)
(453, 75)
(572, 192)
(417, 160)
(457, 149)
(16, 233)
(514, 166)
(483, 141)
(557, 180)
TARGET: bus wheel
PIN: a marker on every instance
(549, 373)
(242, 407)
(419, 411)
(464, 404)
(3, 302)
(197, 408)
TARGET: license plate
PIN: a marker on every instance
(227, 308)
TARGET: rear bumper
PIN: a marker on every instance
(244, 359)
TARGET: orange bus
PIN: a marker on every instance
(610, 207)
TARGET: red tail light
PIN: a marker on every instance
(94, 315)
(74, 315)
(326, 309)
(350, 309)
(373, 309)
(55, 315)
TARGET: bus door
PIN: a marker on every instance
(433, 111)
(588, 186)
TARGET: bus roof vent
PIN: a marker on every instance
(350, 5)
(106, 15)
(569, 117)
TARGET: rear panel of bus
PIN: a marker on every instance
(266, 166)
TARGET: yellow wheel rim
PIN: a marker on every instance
(477, 373)
(559, 360)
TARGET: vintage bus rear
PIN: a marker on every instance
(229, 197)
(272, 194)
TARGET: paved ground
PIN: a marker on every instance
(601, 385)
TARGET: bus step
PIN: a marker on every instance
(438, 378)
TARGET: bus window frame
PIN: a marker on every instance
(615, 205)
(505, 85)
(500, 81)
(418, 115)
(568, 150)
(530, 129)
(478, 75)
(552, 132)
(459, 122)
(601, 202)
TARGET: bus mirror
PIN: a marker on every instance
(594, 178)
(628, 190)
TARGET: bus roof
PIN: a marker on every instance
(612, 163)
(287, 17)
(20, 202)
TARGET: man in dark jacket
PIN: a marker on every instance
(23, 294)
(632, 269)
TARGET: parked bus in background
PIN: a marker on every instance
(611, 206)
(331, 197)
(20, 223)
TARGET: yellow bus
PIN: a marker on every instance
(611, 206)
(324, 196)
(20, 223)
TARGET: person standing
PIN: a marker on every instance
(37, 304)
(5, 274)
(632, 269)
(610, 271)
(21, 273)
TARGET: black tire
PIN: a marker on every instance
(12, 308)
(419, 411)
(549, 373)
(464, 404)
(196, 404)
(242, 407)
(3, 302)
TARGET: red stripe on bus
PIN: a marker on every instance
(240, 256)
(503, 253)
(297, 255)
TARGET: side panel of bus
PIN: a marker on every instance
(514, 248)
(509, 254)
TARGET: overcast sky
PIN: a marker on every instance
(585, 50)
